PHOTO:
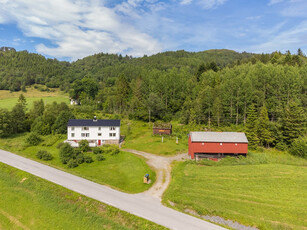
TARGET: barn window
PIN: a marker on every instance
(221, 143)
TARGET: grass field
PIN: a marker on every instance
(8, 99)
(123, 171)
(139, 136)
(267, 190)
(28, 202)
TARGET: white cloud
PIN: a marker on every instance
(296, 8)
(291, 39)
(185, 2)
(211, 4)
(80, 28)
(273, 2)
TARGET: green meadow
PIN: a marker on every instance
(123, 171)
(28, 202)
(139, 136)
(9, 99)
(266, 190)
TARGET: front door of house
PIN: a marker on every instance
(99, 142)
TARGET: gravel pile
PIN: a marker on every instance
(220, 220)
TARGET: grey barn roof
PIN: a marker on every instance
(87, 122)
(232, 137)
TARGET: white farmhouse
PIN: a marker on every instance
(96, 132)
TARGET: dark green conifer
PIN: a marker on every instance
(294, 122)
(251, 127)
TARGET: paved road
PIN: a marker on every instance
(138, 204)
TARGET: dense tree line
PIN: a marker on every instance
(264, 93)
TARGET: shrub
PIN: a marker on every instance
(299, 147)
(281, 146)
(97, 151)
(66, 153)
(72, 163)
(80, 158)
(115, 151)
(44, 155)
(100, 157)
(88, 159)
(33, 139)
(60, 145)
(84, 146)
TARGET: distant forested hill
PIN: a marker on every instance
(22, 68)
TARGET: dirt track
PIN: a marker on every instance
(162, 166)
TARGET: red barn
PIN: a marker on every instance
(216, 145)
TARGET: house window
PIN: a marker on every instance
(99, 134)
(72, 128)
(112, 128)
(72, 135)
(85, 134)
(112, 134)
(99, 128)
(85, 128)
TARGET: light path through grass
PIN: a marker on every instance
(162, 166)
(268, 195)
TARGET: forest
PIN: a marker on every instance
(263, 93)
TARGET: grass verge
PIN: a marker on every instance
(28, 202)
(123, 171)
(266, 190)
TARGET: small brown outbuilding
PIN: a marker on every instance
(162, 128)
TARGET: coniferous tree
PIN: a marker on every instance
(19, 119)
(5, 123)
(294, 122)
(251, 126)
(264, 133)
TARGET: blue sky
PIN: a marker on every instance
(72, 29)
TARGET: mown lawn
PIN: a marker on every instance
(139, 136)
(267, 192)
(28, 202)
(123, 171)
(8, 99)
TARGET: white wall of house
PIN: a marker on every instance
(93, 133)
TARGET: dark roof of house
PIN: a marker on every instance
(230, 137)
(87, 122)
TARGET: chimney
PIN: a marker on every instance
(95, 119)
